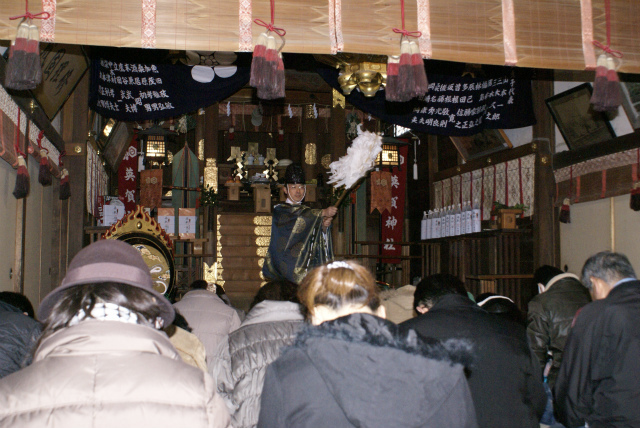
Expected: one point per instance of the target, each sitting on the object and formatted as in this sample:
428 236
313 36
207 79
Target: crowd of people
112 351
321 346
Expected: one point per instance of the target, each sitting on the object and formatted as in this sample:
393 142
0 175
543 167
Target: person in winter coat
504 381
599 380
271 324
551 313
352 368
19 332
102 360
210 318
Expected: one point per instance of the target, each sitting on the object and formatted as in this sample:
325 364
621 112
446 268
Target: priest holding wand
300 236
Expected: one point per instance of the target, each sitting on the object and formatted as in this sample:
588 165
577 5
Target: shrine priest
300 236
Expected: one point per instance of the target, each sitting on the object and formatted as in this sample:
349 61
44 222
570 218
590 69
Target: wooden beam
75 132
615 145
248 95
542 88
544 220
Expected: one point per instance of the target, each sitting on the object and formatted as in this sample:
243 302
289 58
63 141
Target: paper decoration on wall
380 191
151 188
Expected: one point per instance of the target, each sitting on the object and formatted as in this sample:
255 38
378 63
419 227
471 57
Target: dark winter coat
599 379
360 370
505 381
549 319
18 335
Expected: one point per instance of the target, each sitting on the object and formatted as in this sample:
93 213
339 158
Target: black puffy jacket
18 334
549 319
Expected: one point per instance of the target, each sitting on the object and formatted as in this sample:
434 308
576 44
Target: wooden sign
62 68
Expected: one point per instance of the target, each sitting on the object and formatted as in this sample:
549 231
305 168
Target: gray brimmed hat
108 260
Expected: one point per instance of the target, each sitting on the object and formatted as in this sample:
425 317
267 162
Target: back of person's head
181 321
282 291
501 306
434 287
338 285
105 272
199 284
19 301
546 273
607 266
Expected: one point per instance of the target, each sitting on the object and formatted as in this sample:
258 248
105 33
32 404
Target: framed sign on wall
579 124
62 68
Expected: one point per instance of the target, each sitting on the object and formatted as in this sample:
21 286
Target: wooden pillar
546 235
432 150
21 222
309 142
74 132
211 150
211 128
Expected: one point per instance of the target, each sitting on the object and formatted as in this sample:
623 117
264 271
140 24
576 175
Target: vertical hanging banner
380 191
128 176
393 220
151 188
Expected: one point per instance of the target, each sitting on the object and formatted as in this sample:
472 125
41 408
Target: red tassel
22 180
268 77
278 91
406 81
33 73
599 84
634 203
613 97
565 211
391 88
44 174
65 189
257 63
232 133
281 135
419 74
17 63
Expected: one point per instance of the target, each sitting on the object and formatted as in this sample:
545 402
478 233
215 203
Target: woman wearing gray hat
102 360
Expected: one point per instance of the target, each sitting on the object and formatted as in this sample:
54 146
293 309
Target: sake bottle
423 226
477 227
468 214
435 224
458 221
447 218
429 220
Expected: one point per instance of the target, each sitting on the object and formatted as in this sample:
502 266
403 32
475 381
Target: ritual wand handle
347 191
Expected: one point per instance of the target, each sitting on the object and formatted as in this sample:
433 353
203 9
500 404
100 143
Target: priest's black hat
294 174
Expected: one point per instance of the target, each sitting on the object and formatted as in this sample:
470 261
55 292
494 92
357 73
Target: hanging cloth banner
134 88
454 105
128 176
151 188
380 191
393 220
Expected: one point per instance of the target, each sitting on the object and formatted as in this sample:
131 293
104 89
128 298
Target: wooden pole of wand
347 191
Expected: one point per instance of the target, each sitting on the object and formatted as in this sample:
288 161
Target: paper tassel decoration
613 97
360 158
22 179
391 87
44 173
257 63
17 61
634 203
406 76
600 83
419 73
24 70
565 211
65 189
270 78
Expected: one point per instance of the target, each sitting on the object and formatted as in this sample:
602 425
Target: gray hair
607 266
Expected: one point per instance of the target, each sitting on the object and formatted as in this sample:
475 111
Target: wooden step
230 274
243 251
243 230
245 219
245 241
